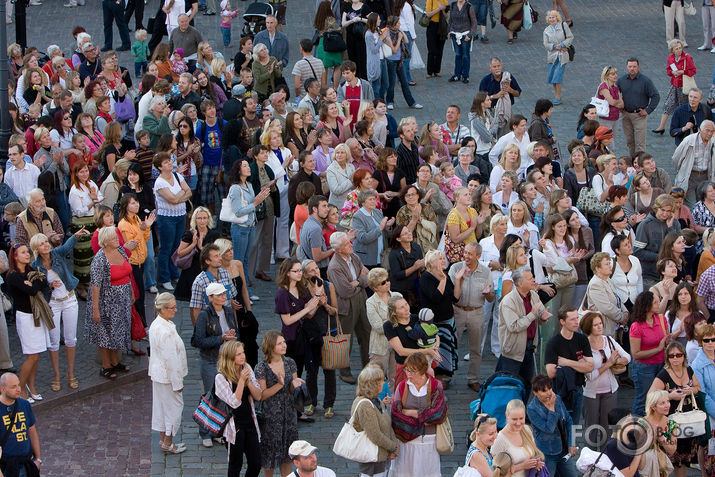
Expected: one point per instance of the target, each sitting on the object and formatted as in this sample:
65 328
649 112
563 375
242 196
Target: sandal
309 411
74 384
173 448
121 367
329 413
108 373
55 385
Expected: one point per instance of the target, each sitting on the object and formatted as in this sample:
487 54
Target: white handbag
688 84
227 215
689 8
386 50
354 445
690 423
466 471
603 109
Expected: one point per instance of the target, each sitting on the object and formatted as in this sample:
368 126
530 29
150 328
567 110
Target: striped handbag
336 350
212 414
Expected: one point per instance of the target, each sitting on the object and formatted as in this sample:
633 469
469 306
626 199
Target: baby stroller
496 392
254 20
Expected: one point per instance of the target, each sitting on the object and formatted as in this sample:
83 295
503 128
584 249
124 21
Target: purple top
287 304
322 160
614 112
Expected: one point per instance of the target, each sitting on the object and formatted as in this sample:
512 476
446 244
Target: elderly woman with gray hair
157 120
108 311
167 368
379 282
437 294
464 168
370 225
265 72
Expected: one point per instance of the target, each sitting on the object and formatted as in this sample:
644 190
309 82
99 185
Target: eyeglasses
705 340
410 371
677 190
675 355
182 126
384 281
620 219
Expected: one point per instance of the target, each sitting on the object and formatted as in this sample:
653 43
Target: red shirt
531 330
353 95
650 337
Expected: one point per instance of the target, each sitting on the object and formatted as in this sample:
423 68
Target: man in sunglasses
693 159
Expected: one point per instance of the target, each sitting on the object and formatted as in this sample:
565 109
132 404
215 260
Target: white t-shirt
162 206
319 472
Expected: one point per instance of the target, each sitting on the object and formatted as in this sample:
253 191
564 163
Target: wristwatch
37 460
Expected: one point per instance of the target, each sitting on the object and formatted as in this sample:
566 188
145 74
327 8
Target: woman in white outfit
708 14
167 368
173 8
280 160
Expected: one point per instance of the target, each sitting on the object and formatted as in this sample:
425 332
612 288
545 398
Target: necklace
676 374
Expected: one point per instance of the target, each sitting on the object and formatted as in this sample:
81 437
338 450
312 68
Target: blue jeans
643 376
406 61
114 12
242 239
379 86
208 376
150 264
461 57
139 68
170 231
577 406
226 34
481 8
558 467
396 71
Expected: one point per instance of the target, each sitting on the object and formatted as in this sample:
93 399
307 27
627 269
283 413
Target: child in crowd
80 144
178 65
247 80
7 224
144 153
625 170
140 52
226 17
32 115
429 155
426 332
450 181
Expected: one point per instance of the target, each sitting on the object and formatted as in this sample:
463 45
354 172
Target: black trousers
246 443
135 7
159 30
312 366
435 47
138 271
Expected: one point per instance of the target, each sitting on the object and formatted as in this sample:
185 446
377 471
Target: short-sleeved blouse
702 215
287 304
162 206
650 337
455 218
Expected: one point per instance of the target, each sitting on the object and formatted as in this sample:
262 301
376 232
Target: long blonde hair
226 360
527 436
501 465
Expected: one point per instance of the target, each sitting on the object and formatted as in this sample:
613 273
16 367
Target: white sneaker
255 298
466 357
207 443
167 286
712 50
153 289
390 106
417 106
70 5
703 47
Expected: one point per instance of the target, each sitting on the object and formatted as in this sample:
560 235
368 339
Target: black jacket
207 332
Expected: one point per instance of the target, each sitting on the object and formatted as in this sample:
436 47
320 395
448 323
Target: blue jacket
682 115
705 372
61 261
280 46
545 425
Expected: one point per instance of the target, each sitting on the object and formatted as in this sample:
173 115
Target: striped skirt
83 247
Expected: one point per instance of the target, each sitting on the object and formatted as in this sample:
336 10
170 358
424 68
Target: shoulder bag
227 214
183 263
333 42
354 445
688 83
603 109
690 423
563 274
588 201
571 49
616 368
336 349
212 414
444 439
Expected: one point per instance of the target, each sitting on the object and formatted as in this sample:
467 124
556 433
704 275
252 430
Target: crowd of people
581 269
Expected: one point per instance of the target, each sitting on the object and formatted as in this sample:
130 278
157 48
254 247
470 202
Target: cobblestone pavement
606 32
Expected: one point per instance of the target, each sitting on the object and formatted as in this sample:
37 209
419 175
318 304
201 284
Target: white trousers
708 14
675 13
64 313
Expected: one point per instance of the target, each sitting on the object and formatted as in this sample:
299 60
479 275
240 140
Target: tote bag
691 423
212 414
688 84
354 445
336 350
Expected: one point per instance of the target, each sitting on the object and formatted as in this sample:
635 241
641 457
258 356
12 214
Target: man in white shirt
452 131
518 136
20 176
306 461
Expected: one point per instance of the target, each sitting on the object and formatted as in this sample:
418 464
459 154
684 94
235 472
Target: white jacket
683 159
167 363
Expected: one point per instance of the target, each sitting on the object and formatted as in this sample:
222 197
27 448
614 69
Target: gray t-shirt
311 236
222 321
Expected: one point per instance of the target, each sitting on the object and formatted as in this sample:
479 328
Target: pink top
615 91
650 337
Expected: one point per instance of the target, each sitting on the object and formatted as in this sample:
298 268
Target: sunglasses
705 340
66 118
17 245
384 282
620 219
676 355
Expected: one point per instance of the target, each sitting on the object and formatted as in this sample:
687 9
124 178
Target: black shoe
304 418
123 48
465 80
347 378
106 48
453 79
202 8
658 131
484 39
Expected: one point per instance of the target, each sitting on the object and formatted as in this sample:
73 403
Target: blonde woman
502 465
557 38
220 75
609 91
379 282
167 368
372 416
517 440
241 433
339 176
666 430
201 233
520 224
510 160
482 437
461 223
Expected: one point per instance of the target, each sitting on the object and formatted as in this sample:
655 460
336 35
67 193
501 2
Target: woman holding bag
679 64
371 416
557 39
679 381
418 406
602 296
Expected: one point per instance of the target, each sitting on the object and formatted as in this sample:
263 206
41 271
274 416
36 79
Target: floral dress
702 215
279 426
